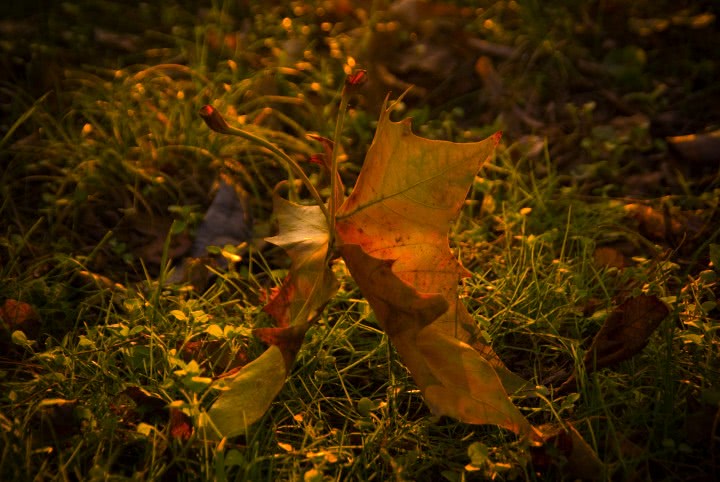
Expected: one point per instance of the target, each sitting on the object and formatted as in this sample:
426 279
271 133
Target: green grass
95 151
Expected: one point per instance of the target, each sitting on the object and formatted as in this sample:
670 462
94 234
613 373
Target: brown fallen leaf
565 447
214 355
665 224
17 316
14 314
698 149
609 257
625 333
180 425
393 233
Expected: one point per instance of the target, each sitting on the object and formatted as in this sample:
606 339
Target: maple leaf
310 283
307 287
408 192
393 232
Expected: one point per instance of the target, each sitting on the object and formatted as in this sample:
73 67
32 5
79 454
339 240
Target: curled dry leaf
309 284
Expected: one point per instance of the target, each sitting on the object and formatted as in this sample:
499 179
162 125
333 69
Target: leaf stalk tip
214 119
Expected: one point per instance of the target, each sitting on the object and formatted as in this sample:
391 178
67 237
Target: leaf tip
386 109
496 137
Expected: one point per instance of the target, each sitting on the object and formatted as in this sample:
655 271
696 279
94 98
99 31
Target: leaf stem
216 122
333 163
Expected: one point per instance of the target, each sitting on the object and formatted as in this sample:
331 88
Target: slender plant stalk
216 122
333 162
352 83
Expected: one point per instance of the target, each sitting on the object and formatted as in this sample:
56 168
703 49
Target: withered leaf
579 460
215 355
309 284
180 425
609 257
18 315
665 224
393 230
626 332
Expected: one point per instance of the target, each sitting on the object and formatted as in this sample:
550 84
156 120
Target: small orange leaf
15 313
180 425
